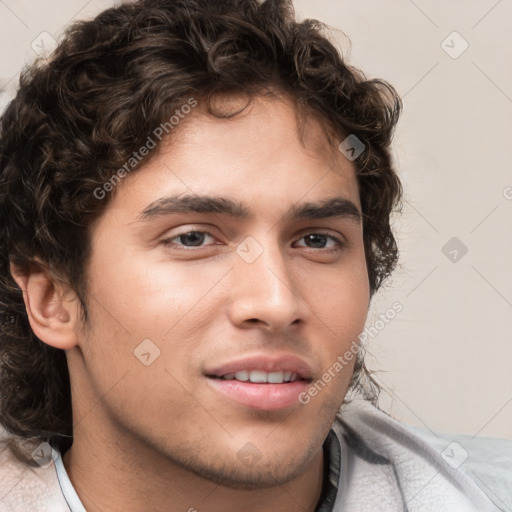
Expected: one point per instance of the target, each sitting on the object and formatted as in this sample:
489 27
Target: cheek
341 305
143 302
169 304
341 299
148 295
345 318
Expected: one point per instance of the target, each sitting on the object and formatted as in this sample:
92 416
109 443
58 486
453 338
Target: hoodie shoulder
386 466
28 488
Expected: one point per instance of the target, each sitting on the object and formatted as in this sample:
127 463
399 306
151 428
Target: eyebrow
332 207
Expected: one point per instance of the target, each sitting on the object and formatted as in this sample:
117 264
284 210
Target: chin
260 476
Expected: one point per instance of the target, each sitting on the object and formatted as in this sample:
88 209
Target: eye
319 241
196 238
189 239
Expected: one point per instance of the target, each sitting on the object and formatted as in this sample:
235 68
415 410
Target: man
195 206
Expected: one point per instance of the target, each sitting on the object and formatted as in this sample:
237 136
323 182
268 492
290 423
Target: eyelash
340 243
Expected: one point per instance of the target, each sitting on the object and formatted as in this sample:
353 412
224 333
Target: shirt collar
332 464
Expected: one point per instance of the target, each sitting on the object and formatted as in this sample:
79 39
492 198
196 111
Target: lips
268 364
262 382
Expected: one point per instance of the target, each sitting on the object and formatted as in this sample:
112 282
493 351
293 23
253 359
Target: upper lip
265 363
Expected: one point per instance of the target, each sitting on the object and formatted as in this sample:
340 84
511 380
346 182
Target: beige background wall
446 358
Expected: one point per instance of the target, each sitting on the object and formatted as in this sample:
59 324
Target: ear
53 309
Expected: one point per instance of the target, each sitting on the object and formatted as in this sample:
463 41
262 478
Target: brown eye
193 238
320 241
317 241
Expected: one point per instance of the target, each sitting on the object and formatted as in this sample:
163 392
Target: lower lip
269 397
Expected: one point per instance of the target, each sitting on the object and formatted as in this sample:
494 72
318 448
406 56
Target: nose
264 292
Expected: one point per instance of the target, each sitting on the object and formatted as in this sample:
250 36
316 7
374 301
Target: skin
159 437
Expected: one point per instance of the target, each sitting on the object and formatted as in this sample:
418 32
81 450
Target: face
179 297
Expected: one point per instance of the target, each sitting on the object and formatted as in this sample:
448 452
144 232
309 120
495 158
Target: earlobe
53 311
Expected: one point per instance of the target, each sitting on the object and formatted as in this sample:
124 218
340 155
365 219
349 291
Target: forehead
269 154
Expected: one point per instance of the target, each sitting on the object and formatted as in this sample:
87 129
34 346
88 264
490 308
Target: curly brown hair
79 116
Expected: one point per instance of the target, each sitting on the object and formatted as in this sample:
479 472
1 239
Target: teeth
259 377
275 378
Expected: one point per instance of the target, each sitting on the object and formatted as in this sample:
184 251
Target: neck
120 474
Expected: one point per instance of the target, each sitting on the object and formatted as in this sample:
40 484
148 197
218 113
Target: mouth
261 382
261 377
